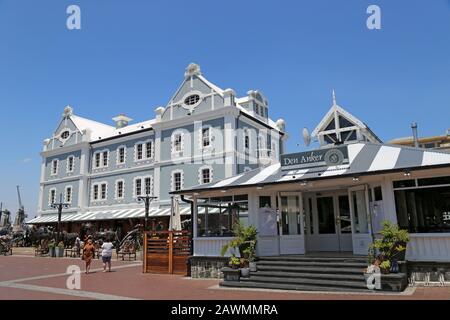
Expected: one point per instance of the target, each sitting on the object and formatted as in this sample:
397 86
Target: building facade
204 134
331 199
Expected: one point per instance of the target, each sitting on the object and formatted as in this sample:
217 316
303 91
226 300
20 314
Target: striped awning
107 215
364 158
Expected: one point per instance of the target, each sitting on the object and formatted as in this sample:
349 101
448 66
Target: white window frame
246 132
116 192
118 155
135 195
102 159
144 150
73 164
209 128
50 196
144 186
99 185
52 171
152 153
71 194
172 179
172 142
200 174
94 160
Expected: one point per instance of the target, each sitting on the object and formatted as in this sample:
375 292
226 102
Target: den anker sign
315 158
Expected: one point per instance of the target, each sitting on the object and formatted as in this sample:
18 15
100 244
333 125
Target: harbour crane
20 216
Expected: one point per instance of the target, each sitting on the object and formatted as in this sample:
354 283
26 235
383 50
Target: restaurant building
332 199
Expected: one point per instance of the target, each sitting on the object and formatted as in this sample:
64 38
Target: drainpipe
191 240
415 135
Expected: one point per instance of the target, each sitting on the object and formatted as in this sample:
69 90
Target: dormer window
192 100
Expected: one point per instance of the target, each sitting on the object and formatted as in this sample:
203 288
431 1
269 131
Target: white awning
107 215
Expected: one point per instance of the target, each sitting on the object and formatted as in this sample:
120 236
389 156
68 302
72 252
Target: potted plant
244 238
250 251
51 248
391 247
232 273
59 250
386 253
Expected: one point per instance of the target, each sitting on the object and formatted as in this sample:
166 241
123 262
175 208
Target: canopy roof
364 159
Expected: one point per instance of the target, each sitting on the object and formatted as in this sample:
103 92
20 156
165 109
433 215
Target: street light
147 199
59 206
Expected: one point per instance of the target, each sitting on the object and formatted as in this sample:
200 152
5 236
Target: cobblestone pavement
27 277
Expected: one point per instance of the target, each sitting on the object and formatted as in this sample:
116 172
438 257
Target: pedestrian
88 254
78 246
107 247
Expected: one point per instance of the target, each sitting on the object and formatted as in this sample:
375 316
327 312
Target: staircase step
359 284
309 269
330 276
284 286
312 263
357 259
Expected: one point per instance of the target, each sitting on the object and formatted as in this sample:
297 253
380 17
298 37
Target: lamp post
60 205
147 199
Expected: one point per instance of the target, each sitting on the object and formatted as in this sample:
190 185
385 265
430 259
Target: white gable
339 126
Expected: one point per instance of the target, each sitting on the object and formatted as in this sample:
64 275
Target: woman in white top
107 247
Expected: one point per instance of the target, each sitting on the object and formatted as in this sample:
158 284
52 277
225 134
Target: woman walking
88 254
107 254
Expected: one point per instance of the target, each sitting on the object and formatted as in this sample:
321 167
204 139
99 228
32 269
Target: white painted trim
71 194
200 142
118 163
116 197
67 164
100 199
102 166
176 153
52 167
200 174
172 180
50 196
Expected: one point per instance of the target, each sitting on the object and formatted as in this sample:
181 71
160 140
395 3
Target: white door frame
324 242
361 241
292 243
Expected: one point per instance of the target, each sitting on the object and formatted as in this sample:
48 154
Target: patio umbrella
175 216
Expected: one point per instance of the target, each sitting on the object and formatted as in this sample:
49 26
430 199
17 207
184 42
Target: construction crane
20 216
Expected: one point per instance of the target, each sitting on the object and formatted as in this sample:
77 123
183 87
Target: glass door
359 212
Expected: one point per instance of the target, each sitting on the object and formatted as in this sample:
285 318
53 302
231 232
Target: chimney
121 121
415 135
229 97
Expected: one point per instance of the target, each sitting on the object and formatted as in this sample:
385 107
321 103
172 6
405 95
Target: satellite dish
306 137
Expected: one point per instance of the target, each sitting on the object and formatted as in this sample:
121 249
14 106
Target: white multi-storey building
203 135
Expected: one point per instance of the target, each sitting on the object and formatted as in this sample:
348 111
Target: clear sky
130 56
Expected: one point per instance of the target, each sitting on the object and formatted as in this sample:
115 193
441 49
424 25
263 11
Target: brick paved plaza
23 276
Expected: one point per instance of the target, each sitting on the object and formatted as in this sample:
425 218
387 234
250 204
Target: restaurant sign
316 158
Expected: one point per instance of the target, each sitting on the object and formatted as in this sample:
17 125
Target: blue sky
130 56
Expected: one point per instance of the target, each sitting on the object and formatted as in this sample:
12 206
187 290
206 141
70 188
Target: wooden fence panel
166 252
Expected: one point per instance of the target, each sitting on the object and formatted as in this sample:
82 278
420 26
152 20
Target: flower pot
52 252
252 266
245 272
59 252
230 274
